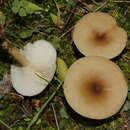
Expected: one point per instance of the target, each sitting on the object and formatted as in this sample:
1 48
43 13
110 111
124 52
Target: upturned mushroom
97 34
95 87
37 60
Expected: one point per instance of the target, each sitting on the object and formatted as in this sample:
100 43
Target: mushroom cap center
95 87
100 38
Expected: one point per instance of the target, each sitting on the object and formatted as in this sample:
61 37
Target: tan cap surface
96 34
95 87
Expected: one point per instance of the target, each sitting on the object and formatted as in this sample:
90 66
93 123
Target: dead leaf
5 85
36 103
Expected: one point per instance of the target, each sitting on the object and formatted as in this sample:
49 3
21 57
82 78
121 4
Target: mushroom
97 34
95 87
37 58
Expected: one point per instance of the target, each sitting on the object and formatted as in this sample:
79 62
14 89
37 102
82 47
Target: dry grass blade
102 6
121 1
86 5
7 126
35 118
12 94
126 57
58 15
57 124
40 76
65 33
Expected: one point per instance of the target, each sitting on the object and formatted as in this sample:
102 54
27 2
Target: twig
1 1
100 7
128 48
86 6
58 23
66 32
24 109
126 57
14 123
121 1
13 94
8 40
94 2
43 107
7 126
57 124
10 21
71 14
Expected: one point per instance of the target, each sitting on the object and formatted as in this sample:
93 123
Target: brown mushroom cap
95 87
97 34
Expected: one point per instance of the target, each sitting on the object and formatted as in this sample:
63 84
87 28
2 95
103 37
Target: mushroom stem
15 53
21 59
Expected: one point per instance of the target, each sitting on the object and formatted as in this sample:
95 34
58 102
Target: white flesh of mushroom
42 56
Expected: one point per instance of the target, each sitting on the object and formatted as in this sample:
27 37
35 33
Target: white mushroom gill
40 55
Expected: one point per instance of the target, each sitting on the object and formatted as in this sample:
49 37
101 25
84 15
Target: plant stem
5 125
43 107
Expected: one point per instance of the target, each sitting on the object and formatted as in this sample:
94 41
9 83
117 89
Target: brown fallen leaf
5 85
36 103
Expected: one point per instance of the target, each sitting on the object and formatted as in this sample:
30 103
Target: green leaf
113 124
15 3
61 69
26 33
29 11
27 119
16 6
38 122
22 12
1 14
2 19
50 128
53 18
55 41
20 128
63 113
70 3
24 7
30 7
